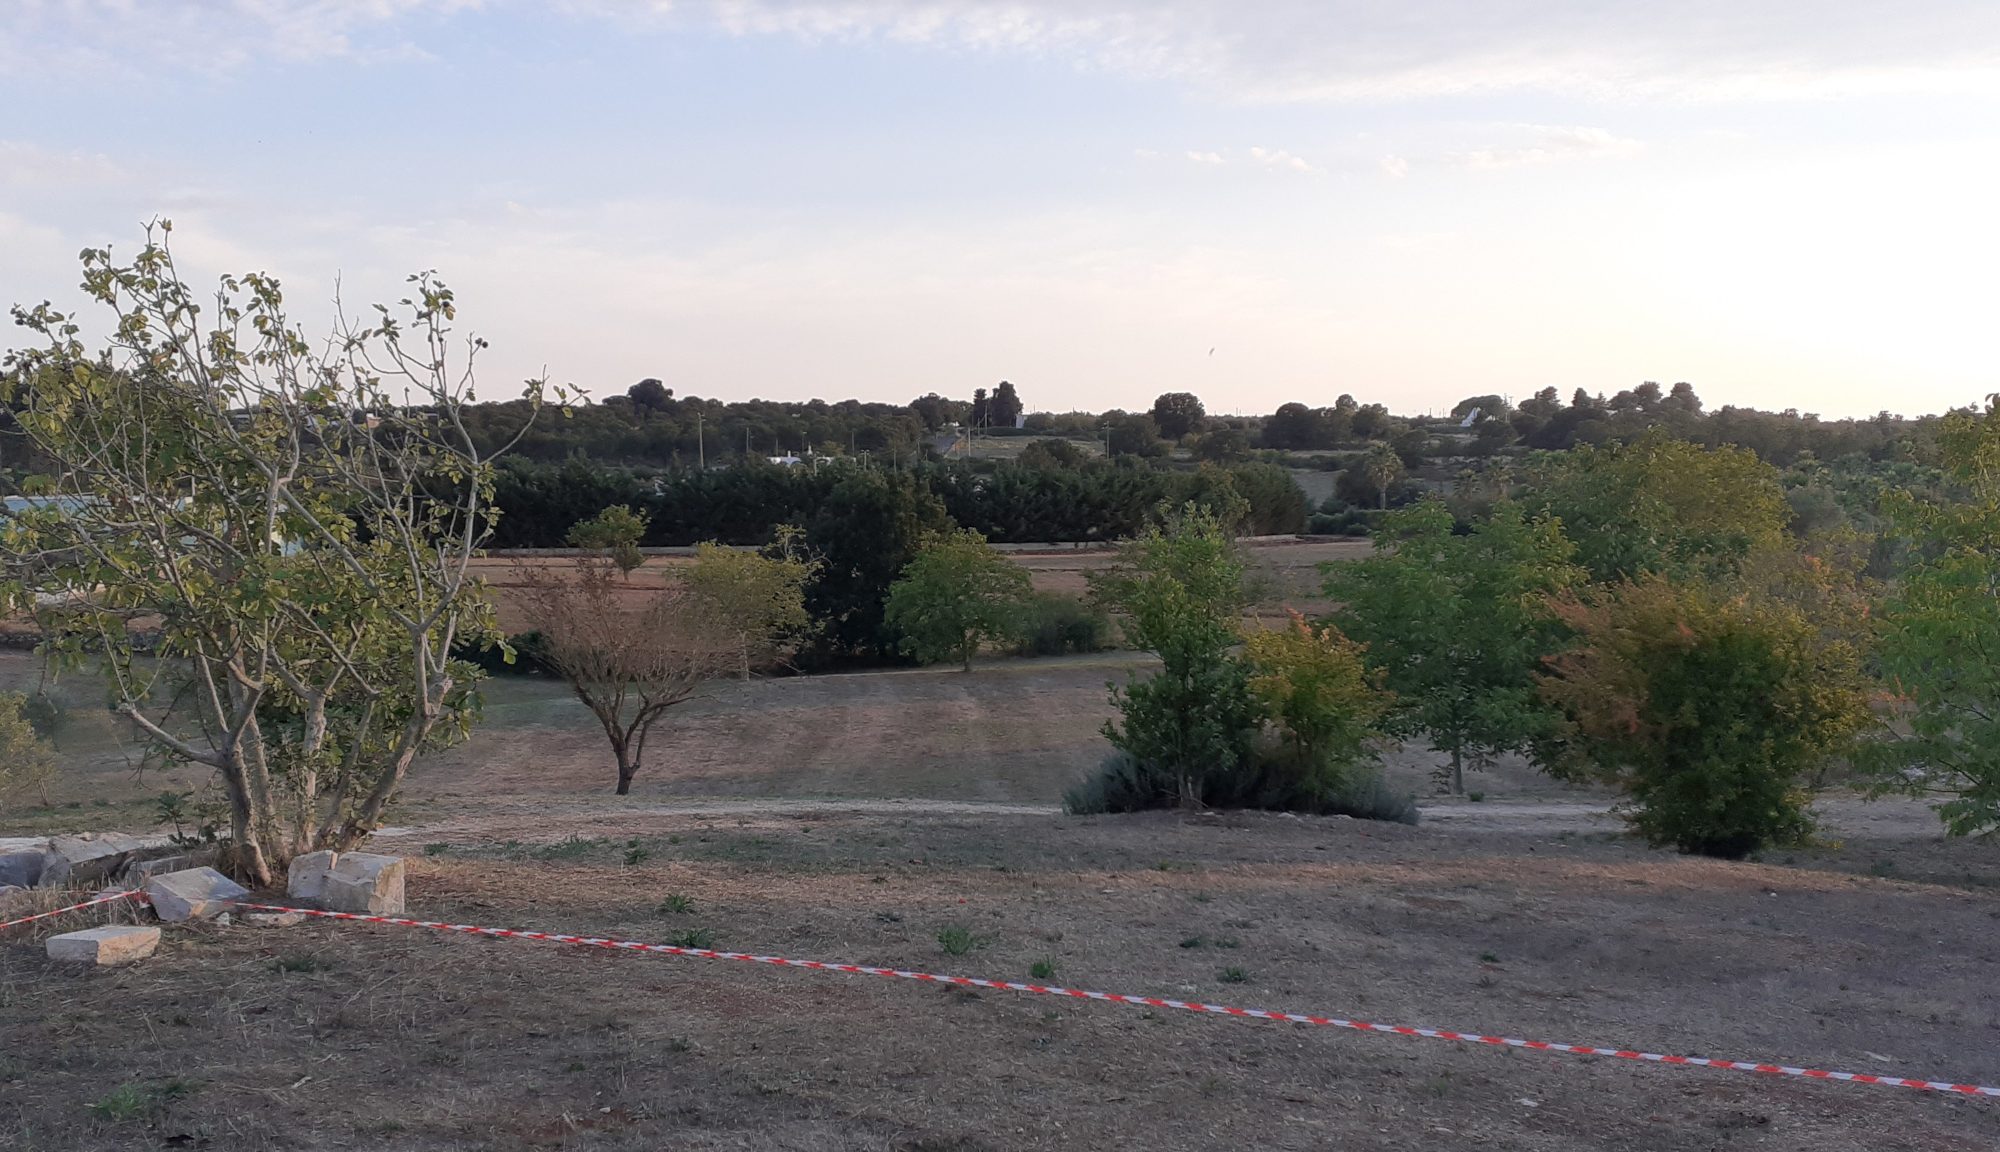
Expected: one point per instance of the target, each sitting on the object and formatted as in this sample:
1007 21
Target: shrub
616 531
530 656
1052 624
1120 784
1710 711
27 762
957 940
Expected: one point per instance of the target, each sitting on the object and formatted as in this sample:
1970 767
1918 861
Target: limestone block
91 859
22 867
106 946
197 893
364 882
306 878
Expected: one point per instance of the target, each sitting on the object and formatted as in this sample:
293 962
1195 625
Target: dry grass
330 1036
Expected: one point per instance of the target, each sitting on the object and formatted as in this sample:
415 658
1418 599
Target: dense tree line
1006 503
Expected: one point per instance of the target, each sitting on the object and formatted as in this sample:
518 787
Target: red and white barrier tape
107 898
1154 1002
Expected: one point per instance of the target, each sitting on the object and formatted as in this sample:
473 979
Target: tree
1051 453
294 523
1135 435
1314 686
1489 407
1456 625
1004 407
27 762
1661 505
954 596
759 596
982 409
616 532
865 532
649 396
630 660
1294 426
1179 587
1940 636
1381 467
1177 413
935 411
1709 709
1222 446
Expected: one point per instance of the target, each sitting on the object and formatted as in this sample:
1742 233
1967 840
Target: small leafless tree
629 653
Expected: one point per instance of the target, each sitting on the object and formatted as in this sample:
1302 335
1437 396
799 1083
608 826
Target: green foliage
1940 637
1044 969
701 938
955 595
1134 435
865 533
616 532
677 904
759 596
1178 413
1275 505
1457 625
1660 505
1179 587
1051 624
295 516
957 940
1314 687
27 762
1710 711
1380 467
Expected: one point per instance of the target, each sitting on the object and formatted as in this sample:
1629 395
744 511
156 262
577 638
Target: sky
1787 204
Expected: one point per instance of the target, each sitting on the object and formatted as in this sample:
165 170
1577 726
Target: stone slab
194 894
306 878
23 867
107 946
273 919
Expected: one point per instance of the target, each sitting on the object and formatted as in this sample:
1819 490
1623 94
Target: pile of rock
362 882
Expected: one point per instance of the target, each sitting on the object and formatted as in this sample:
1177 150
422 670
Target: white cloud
1279 158
1206 157
1394 167
1546 143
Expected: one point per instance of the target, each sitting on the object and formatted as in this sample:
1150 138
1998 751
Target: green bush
1120 784
1052 624
1270 779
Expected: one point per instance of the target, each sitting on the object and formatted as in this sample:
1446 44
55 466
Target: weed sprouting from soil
957 940
677 904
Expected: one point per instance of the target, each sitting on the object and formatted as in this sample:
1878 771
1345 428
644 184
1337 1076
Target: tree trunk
627 768
965 653
1457 770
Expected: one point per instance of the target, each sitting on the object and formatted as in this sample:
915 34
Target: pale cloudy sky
1790 204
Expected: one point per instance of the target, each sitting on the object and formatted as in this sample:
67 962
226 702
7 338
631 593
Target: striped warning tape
1151 1002
107 898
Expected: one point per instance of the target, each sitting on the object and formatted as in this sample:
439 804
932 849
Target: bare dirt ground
855 817
329 1036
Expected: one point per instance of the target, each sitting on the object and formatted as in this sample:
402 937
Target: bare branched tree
276 529
629 653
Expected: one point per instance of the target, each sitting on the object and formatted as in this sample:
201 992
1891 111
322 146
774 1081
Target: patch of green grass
1233 976
436 848
134 1101
1042 970
1882 868
1202 897
1489 958
1194 942
1475 797
636 855
1176 866
693 938
301 962
957 940
1228 942
677 904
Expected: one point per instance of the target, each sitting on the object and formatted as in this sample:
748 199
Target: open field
1285 571
855 817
